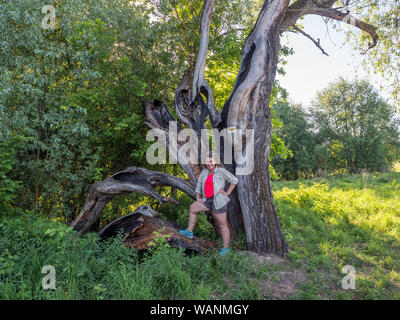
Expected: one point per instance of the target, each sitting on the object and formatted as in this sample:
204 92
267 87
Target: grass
333 222
89 269
328 223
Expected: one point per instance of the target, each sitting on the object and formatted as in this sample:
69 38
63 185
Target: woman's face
210 164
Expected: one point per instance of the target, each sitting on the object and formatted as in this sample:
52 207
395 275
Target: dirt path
281 281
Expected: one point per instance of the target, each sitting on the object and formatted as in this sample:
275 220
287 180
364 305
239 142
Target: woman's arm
230 189
198 197
230 178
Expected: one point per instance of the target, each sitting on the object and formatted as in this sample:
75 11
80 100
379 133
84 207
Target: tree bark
248 108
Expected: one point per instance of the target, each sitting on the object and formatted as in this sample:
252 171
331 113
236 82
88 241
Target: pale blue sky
309 71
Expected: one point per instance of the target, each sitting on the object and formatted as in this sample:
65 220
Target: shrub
9 187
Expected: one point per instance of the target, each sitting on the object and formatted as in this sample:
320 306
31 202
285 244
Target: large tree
354 117
252 206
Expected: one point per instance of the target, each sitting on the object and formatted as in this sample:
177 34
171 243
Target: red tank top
208 187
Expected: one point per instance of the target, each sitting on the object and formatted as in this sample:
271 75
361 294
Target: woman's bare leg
222 223
195 208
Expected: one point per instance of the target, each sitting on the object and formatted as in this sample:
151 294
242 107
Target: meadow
328 223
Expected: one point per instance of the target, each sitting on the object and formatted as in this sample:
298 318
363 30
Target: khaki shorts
209 203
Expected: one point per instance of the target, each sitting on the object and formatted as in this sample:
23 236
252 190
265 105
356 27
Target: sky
309 70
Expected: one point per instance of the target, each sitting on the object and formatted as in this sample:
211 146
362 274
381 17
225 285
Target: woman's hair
216 158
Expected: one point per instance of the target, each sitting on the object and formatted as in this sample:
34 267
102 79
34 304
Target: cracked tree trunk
248 108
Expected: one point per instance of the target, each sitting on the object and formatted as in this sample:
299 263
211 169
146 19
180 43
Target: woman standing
211 196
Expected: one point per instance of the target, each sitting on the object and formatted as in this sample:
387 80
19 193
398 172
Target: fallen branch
143 229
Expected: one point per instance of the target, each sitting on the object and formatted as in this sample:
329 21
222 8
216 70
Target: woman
210 195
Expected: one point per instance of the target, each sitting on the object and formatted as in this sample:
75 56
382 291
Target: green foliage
76 91
9 188
36 78
358 127
385 57
294 130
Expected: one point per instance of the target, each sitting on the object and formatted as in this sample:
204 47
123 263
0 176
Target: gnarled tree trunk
248 108
251 207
